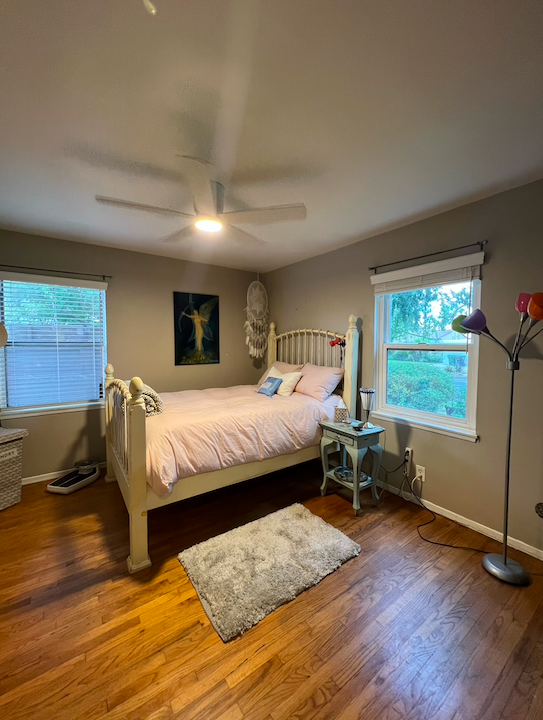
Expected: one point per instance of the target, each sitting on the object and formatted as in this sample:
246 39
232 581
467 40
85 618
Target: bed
208 439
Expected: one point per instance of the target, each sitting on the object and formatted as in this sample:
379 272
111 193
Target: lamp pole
514 367
501 566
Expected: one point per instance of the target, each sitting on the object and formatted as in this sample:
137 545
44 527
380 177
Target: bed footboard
126 459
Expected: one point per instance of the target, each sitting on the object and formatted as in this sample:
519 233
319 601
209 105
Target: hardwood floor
406 630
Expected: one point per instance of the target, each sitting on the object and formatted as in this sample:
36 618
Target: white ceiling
372 112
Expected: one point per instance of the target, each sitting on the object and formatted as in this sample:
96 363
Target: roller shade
56 349
443 272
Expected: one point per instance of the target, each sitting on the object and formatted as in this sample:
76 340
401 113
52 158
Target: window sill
459 433
50 410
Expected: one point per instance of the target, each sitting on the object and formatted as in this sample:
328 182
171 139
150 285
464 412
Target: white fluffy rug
245 574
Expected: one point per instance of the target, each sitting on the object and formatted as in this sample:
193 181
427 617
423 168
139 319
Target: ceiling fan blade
179 235
240 33
197 173
242 237
115 202
272 174
99 157
265 216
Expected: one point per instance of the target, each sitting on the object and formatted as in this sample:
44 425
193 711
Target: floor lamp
530 307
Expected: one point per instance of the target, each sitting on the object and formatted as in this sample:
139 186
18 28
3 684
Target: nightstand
338 436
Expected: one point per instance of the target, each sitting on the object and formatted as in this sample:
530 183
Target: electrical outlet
420 471
408 456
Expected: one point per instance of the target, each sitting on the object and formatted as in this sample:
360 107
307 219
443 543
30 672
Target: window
56 350
426 374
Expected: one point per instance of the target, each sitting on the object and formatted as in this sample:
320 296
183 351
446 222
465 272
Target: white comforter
204 430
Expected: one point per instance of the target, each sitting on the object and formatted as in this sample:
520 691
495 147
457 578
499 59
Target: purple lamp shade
475 323
523 301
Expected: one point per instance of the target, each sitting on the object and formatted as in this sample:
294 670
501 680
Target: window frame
465 429
53 409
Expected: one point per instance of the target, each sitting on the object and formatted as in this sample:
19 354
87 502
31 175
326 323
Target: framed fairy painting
196 319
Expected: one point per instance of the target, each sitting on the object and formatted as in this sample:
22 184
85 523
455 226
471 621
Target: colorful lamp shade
522 303
535 307
475 323
456 325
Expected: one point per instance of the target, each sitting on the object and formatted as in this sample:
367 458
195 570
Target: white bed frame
126 440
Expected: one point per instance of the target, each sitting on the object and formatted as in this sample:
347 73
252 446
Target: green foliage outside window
425 386
426 380
52 305
421 316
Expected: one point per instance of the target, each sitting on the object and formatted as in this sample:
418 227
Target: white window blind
56 350
442 272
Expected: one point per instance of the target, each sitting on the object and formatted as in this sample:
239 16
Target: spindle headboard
313 346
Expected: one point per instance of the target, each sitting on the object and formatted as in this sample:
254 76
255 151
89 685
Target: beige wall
140 334
463 477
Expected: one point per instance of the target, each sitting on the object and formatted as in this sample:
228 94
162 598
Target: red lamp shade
535 307
523 301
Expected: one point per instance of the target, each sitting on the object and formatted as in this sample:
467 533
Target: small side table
338 436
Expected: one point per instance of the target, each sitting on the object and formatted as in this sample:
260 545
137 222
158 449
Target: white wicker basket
11 466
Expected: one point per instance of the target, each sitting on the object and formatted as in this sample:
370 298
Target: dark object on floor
539 509
86 472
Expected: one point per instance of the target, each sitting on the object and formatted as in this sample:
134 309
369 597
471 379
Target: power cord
405 480
389 472
403 465
434 518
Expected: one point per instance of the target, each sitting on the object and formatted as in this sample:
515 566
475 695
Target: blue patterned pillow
270 386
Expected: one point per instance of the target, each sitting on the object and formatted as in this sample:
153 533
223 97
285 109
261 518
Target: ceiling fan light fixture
208 224
151 9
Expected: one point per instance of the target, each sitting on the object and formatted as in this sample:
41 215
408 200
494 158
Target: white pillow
290 380
279 367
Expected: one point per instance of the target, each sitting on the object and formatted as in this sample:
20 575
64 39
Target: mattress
204 430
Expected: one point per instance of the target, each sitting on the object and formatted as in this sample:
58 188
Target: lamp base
511 572
367 425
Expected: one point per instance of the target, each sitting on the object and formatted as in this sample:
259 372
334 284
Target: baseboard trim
471 524
51 476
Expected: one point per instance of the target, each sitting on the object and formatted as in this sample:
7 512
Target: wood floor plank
481 671
405 631
384 643
526 687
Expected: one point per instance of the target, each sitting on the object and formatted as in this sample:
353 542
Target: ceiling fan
208 201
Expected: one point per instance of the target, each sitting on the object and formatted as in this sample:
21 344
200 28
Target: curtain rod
63 272
479 244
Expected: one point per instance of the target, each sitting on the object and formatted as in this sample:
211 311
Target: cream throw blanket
153 401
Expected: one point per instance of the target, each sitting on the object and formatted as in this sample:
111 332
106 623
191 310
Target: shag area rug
246 573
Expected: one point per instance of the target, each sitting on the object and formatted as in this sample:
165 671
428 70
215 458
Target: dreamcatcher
256 325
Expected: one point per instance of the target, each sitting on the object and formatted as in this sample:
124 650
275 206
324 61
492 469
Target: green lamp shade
456 325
